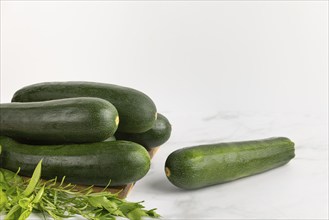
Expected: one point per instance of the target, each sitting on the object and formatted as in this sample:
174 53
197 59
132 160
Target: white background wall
187 56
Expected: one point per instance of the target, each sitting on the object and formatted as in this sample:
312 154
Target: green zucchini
137 111
156 136
205 165
120 162
72 120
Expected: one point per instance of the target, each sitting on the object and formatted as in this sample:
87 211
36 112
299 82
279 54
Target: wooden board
124 190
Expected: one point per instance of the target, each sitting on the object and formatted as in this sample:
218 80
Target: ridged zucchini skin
137 111
156 136
121 162
205 165
71 120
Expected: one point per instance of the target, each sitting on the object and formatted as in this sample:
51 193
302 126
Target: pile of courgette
91 133
94 133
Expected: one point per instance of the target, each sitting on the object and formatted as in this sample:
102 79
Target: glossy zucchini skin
120 162
205 165
156 136
137 111
72 120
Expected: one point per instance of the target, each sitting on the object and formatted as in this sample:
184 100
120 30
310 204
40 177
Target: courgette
205 165
137 111
156 136
71 120
120 162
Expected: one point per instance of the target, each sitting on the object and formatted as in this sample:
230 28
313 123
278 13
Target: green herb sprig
20 197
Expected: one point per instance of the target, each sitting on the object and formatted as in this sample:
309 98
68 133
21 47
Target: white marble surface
298 190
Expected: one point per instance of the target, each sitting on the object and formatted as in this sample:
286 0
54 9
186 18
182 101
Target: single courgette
205 165
72 120
137 111
120 162
156 136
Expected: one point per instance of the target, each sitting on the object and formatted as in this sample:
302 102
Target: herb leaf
34 180
19 198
